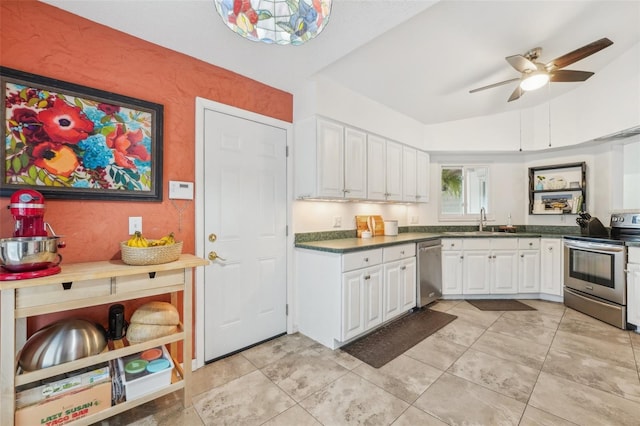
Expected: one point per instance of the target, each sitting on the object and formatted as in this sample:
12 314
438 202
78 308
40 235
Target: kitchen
508 166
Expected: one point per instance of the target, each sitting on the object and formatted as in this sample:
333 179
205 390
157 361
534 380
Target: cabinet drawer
361 259
528 243
476 243
451 244
504 243
55 293
402 251
146 281
634 255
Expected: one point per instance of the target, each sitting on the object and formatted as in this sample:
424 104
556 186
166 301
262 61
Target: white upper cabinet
355 163
409 178
376 168
394 171
330 160
384 169
415 175
336 161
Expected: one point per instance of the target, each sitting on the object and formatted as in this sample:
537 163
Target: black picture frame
70 141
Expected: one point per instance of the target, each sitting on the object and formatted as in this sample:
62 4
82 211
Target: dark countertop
346 245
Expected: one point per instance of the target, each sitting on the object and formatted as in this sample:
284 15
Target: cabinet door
352 301
529 271
476 272
452 272
355 164
372 291
330 158
393 171
504 271
551 267
633 294
376 168
422 177
409 178
392 290
408 274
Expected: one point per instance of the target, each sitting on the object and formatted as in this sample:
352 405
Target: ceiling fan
536 74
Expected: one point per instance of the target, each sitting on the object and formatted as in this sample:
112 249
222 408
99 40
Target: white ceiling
417 57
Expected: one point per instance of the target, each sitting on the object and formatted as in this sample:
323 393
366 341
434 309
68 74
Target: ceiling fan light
534 80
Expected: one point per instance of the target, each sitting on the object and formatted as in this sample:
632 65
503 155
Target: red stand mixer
31 252
27 209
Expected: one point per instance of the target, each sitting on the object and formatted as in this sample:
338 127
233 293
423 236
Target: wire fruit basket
155 255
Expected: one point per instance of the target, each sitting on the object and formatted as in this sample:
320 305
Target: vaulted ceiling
417 57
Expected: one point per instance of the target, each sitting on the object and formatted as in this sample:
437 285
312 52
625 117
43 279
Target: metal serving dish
62 341
22 254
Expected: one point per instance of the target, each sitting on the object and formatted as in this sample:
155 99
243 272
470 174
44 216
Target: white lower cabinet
490 266
502 265
361 301
633 287
529 266
551 266
342 296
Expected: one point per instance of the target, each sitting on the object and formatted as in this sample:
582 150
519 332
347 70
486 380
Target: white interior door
245 219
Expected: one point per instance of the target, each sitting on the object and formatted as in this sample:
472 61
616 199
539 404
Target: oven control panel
625 220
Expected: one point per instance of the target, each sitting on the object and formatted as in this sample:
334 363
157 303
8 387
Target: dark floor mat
386 343
500 305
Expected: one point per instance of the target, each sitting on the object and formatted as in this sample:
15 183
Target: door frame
202 105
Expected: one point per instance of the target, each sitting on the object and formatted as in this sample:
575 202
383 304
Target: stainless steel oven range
595 270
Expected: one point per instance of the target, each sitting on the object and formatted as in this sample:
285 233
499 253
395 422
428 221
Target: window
464 191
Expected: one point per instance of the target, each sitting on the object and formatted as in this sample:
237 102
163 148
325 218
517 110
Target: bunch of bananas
167 240
138 240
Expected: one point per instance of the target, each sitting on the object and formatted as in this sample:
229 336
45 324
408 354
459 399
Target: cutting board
362 225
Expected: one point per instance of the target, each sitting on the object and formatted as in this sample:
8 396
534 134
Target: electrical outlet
414 219
135 224
337 221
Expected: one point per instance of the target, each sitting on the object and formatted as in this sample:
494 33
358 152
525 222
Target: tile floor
552 366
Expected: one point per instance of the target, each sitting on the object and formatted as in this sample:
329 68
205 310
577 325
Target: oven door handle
594 247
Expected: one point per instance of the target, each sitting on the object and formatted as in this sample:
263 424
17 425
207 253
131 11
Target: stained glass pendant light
275 21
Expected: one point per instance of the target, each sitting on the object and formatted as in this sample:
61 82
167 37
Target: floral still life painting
70 141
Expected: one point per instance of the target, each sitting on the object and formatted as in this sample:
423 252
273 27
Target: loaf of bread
156 313
137 333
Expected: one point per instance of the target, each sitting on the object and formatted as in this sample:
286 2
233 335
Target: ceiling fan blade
579 54
520 63
491 86
517 92
567 76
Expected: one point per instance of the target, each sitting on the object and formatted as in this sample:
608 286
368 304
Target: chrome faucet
483 218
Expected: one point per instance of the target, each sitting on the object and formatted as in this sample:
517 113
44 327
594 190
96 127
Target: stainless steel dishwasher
429 286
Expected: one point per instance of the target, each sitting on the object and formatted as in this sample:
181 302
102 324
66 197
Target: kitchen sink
472 233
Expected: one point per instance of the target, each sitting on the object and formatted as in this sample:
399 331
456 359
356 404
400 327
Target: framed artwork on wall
74 142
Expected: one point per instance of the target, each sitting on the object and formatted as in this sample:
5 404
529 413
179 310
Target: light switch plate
179 190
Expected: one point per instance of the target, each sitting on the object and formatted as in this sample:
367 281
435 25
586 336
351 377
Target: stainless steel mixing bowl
62 341
21 254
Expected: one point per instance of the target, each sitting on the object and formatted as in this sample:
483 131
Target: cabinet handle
402 252
550 249
367 277
346 191
403 268
522 255
366 259
530 244
461 257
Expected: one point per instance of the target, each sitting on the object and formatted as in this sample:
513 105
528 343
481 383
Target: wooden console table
88 284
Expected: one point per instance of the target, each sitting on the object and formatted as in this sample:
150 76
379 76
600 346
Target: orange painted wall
44 40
